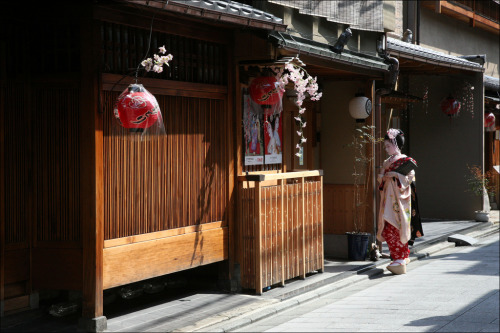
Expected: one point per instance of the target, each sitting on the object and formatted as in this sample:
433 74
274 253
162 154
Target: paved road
455 290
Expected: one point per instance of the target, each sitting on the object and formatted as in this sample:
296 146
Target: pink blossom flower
157 68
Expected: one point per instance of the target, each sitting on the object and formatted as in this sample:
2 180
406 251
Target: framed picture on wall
253 136
273 138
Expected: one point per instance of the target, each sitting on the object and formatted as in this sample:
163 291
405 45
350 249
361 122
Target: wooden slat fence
281 228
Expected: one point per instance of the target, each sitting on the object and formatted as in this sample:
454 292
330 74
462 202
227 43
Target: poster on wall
273 138
253 136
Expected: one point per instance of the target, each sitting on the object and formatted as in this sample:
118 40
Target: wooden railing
281 221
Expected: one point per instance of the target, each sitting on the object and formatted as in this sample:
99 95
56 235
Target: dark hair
400 139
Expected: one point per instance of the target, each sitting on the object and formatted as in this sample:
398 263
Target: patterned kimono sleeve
405 181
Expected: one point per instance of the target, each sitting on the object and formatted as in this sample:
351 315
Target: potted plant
358 239
480 185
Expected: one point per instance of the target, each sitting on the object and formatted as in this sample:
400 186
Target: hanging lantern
450 106
264 90
489 121
360 108
136 108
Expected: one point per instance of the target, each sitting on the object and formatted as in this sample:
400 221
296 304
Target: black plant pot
357 244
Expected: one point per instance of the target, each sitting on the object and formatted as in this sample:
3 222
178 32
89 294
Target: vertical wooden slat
258 237
321 251
281 205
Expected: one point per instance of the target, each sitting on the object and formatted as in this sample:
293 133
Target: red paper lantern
450 106
136 108
489 120
264 90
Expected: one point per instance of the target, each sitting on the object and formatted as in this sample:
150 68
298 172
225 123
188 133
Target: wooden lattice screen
170 181
123 48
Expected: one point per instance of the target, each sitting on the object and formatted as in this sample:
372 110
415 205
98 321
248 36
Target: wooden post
437 9
92 185
303 219
258 238
231 175
2 205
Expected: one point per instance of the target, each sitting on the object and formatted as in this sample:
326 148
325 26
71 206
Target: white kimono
395 201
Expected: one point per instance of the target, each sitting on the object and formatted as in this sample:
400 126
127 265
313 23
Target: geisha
394 219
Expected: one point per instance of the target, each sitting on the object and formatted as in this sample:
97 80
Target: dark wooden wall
41 174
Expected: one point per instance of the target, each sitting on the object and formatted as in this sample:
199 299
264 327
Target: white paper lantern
360 107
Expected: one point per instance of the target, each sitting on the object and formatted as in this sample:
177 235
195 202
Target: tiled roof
323 50
224 11
420 53
491 83
232 7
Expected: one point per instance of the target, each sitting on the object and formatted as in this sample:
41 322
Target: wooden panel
15 289
57 268
339 210
16 303
56 155
17 265
43 166
144 260
19 164
166 182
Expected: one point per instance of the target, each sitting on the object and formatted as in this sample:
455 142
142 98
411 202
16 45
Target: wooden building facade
85 208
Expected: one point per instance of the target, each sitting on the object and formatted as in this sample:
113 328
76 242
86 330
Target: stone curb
240 319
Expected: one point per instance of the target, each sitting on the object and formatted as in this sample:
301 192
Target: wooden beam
139 261
438 7
2 200
91 159
276 176
161 234
233 80
116 82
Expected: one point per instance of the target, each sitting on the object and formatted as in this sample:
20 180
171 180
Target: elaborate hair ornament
392 133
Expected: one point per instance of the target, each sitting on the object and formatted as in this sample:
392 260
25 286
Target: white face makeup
390 148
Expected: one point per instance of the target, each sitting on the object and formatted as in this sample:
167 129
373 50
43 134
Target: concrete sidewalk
210 310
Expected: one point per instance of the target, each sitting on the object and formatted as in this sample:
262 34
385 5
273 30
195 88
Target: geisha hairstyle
396 136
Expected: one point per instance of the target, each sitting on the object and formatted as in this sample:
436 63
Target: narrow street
455 290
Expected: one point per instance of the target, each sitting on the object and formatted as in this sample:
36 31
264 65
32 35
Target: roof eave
325 53
210 14
432 61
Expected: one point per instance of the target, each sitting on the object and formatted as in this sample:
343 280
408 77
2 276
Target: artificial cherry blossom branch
159 61
303 84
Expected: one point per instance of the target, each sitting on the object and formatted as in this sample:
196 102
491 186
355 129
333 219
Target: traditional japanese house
88 206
